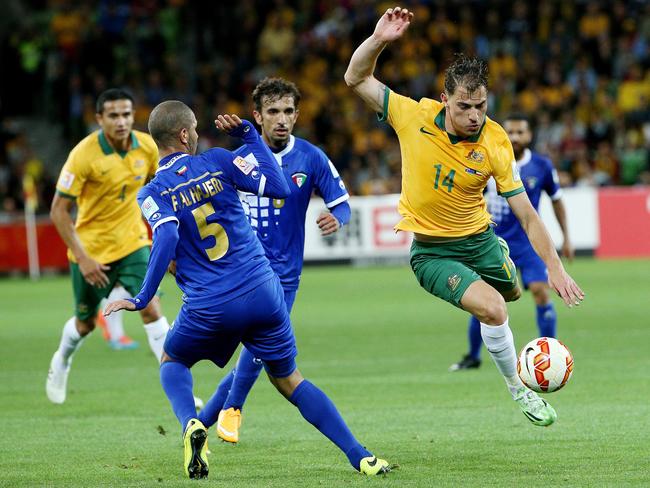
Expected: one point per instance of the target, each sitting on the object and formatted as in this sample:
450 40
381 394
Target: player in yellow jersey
108 243
449 151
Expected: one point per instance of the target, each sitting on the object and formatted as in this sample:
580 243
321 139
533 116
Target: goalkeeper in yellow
108 243
449 150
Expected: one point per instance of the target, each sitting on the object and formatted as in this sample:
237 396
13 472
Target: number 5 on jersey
213 229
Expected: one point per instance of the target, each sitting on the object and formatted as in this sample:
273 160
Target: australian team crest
475 156
299 179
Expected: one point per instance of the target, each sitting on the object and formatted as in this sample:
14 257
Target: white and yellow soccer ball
545 365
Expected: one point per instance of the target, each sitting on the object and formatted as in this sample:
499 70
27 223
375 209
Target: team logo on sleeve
66 179
243 165
299 179
149 207
475 156
453 281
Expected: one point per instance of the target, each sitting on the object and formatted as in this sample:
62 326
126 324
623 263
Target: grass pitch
380 347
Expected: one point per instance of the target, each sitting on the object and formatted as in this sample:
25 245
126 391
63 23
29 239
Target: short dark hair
167 119
519 116
471 73
274 89
111 95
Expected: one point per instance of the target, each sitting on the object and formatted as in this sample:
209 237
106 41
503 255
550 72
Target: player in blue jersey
280 225
538 175
230 292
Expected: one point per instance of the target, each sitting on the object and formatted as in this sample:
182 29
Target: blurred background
580 69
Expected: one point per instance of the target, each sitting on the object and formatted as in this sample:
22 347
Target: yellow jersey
105 184
443 176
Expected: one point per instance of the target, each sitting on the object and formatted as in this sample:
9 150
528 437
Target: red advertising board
13 247
624 221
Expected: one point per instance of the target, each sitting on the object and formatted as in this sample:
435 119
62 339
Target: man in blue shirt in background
230 292
280 225
538 174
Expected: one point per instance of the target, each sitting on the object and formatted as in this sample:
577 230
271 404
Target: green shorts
446 269
128 271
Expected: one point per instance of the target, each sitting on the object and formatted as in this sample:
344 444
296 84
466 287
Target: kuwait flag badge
181 170
299 178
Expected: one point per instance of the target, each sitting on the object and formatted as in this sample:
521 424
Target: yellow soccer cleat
195 443
372 466
228 425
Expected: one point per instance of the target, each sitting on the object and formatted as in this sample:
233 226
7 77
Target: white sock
115 321
70 341
501 346
156 334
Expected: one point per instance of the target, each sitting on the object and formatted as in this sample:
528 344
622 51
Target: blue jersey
537 174
217 257
280 224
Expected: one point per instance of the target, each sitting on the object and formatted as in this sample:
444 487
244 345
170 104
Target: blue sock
474 336
546 320
247 371
176 380
210 412
317 409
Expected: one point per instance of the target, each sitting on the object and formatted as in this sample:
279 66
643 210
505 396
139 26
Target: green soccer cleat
538 411
371 466
195 443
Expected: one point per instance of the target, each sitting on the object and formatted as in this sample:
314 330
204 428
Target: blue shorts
258 319
531 266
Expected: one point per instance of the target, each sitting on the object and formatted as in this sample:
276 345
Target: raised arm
272 183
359 75
558 279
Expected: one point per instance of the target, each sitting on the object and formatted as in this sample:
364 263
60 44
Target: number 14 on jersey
448 179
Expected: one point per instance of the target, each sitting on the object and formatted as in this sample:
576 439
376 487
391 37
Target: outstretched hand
233 125
392 24
565 287
118 305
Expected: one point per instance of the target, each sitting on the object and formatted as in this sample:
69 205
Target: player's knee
287 385
86 326
493 311
540 293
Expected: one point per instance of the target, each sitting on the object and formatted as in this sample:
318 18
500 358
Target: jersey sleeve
328 181
155 207
73 175
552 181
398 109
246 173
505 172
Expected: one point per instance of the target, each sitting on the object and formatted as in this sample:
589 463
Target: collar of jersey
525 159
440 122
169 160
107 149
286 150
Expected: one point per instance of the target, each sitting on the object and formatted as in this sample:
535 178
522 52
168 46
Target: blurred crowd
580 69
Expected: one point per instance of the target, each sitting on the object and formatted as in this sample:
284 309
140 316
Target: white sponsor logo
244 166
149 207
66 179
515 172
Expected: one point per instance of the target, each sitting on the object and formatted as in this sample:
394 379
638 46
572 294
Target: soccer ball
545 365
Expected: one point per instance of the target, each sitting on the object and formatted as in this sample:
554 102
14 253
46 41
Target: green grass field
380 347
